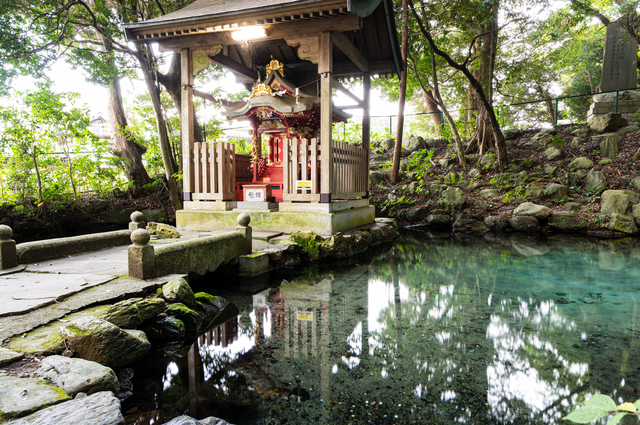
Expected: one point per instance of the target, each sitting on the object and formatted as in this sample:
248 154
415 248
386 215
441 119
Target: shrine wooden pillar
187 122
366 117
325 69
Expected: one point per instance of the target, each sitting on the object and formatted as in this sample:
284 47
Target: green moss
180 308
203 295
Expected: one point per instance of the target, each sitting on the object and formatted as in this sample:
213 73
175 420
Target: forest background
466 62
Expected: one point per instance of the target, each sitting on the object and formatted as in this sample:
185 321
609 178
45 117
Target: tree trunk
483 139
161 125
38 178
126 148
395 168
433 108
503 159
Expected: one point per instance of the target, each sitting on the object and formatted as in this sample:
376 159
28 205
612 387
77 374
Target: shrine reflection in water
475 331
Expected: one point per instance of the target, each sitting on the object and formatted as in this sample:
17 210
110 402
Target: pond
438 331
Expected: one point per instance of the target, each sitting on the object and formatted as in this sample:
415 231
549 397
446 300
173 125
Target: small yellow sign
303 184
306 316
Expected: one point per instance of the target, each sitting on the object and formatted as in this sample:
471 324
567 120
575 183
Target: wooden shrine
291 54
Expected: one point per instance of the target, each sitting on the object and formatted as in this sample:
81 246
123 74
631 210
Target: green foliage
599 406
420 162
42 129
351 132
310 245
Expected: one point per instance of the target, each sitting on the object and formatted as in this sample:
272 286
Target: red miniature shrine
277 111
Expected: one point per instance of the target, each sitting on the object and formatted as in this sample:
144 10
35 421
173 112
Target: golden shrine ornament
274 65
261 89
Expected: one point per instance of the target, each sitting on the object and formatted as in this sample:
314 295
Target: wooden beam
186 124
347 47
338 86
325 68
235 67
334 23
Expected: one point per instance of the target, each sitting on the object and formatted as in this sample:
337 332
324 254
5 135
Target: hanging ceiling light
249 33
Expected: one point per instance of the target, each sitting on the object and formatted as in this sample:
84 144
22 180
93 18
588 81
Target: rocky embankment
574 179
76 370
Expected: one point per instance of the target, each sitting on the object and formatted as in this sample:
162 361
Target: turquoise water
436 331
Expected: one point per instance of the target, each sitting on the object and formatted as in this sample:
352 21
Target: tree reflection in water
480 332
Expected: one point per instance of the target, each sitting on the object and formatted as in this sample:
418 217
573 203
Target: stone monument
619 67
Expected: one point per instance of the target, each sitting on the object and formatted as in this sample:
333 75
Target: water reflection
502 331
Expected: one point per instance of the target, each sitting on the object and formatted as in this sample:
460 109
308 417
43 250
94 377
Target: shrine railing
300 170
214 172
350 171
302 165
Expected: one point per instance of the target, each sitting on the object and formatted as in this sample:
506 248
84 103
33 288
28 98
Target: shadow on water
431 330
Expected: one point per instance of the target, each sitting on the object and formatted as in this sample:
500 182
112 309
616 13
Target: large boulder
614 201
556 191
623 223
610 145
542 138
100 341
101 408
438 222
567 221
78 376
453 198
417 214
523 223
21 396
414 143
178 291
595 181
606 123
553 153
465 223
512 133
376 177
530 209
580 132
495 223
133 312
580 162
163 230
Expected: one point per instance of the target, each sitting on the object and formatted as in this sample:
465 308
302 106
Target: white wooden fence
214 171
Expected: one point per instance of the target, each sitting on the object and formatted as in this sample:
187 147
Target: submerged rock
100 341
133 312
21 396
188 420
78 376
102 408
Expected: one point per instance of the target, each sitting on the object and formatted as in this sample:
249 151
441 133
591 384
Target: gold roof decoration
274 65
261 89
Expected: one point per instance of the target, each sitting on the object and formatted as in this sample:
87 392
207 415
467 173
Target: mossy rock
210 304
133 312
623 223
162 230
189 317
178 291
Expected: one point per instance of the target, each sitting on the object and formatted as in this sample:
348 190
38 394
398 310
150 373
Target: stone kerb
32 252
195 256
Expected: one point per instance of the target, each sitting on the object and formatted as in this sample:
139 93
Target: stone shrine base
628 104
323 219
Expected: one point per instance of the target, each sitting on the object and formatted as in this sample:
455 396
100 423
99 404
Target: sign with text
303 184
255 195
305 316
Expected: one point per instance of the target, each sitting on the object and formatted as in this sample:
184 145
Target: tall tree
395 168
488 132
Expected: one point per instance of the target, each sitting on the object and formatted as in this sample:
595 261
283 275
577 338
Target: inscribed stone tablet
620 55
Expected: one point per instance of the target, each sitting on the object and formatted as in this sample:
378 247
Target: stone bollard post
244 228
142 257
137 221
8 255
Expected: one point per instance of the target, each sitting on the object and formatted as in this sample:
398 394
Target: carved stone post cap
140 237
244 219
137 217
5 232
